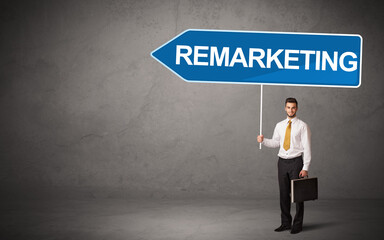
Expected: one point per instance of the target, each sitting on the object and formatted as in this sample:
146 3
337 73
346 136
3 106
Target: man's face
291 109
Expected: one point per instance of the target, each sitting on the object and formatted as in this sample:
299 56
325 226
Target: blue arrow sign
272 58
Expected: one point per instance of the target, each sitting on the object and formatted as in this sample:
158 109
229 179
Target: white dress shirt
300 140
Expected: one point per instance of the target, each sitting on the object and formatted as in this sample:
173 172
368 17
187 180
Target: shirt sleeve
306 142
275 141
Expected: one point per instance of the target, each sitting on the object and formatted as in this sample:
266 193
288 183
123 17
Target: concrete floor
186 219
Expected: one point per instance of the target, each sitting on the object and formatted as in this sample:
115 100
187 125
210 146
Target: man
293 137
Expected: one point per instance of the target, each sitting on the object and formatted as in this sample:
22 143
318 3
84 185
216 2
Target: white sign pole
261 111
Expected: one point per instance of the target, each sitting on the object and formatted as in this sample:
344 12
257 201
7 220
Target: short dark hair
291 100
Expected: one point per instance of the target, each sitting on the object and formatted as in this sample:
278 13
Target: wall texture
84 106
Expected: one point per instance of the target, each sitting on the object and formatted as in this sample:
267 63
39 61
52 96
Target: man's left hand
303 173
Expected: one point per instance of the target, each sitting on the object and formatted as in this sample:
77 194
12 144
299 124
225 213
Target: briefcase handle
304 177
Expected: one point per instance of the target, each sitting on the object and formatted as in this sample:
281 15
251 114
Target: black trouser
289 169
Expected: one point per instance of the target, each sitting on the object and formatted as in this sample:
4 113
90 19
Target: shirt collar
293 120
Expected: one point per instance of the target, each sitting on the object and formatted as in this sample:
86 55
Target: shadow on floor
317 226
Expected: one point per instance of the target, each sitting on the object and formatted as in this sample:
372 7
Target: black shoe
296 230
282 228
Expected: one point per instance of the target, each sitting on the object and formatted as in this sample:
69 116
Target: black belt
301 156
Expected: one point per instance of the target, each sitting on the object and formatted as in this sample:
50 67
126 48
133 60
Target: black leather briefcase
304 189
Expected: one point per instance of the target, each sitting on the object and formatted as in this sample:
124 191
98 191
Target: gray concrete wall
84 106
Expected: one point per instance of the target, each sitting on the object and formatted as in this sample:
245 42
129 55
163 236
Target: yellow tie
287 138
